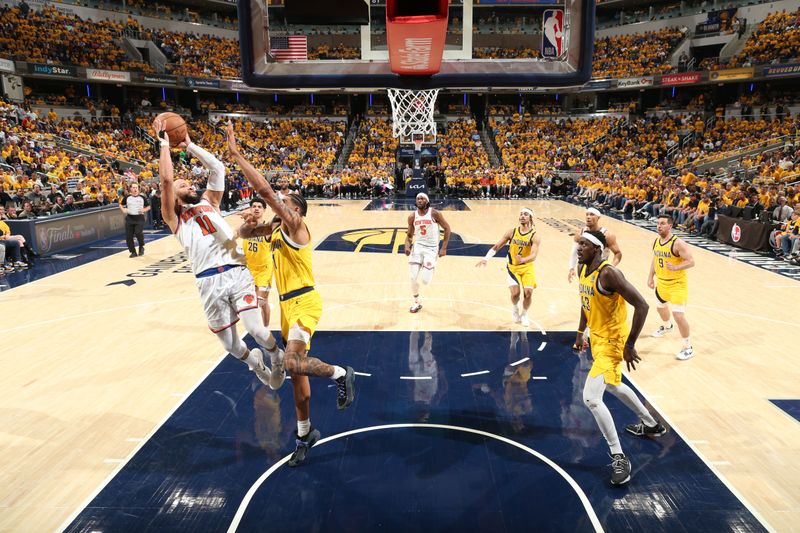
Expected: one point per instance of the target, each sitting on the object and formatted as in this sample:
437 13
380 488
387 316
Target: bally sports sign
107 75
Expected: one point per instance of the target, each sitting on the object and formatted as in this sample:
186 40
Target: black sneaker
303 445
643 430
133 254
141 250
620 469
345 389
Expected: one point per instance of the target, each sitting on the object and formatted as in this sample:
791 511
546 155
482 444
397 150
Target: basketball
175 127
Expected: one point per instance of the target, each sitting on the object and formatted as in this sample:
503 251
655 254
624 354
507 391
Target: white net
412 112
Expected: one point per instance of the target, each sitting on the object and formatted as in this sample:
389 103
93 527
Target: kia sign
630 83
108 75
681 79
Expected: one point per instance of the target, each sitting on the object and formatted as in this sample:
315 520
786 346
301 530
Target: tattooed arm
291 218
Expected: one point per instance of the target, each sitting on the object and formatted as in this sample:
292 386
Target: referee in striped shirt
134 205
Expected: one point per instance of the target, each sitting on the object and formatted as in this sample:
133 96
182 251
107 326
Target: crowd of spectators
48 36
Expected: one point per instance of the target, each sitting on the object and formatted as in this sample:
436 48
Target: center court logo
736 233
391 241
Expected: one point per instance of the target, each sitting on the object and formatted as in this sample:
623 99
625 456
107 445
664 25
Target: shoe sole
645 435
350 381
415 309
684 358
279 384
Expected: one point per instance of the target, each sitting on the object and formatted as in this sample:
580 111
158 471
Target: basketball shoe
524 320
686 353
259 369
278 372
415 308
643 430
303 444
620 469
661 331
345 389
515 314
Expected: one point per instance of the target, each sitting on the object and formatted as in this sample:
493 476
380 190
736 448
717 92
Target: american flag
289 48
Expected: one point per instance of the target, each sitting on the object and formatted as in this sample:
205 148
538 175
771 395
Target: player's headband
594 240
424 196
526 210
593 211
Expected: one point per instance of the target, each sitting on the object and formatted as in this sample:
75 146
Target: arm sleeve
216 176
573 255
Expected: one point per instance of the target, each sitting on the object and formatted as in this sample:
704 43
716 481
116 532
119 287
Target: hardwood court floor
90 370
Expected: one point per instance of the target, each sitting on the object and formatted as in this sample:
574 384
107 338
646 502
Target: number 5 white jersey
208 240
426 230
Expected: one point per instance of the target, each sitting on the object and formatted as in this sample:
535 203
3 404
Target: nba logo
553 33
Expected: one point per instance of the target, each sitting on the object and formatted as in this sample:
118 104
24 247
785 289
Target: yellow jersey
520 244
292 263
257 253
606 314
663 255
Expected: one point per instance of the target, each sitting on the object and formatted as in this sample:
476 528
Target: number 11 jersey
208 240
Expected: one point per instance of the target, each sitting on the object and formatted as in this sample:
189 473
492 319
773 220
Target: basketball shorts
607 355
674 293
262 277
226 294
522 275
424 256
303 311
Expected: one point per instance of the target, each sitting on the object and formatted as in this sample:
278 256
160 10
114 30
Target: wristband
580 331
491 253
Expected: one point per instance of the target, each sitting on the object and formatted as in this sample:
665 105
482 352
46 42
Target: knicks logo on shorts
249 299
391 241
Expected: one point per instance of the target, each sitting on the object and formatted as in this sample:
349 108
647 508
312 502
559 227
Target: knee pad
679 309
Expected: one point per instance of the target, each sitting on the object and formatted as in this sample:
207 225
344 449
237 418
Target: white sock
338 372
416 298
303 427
667 324
514 308
687 343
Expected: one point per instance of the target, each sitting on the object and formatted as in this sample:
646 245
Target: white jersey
426 230
208 240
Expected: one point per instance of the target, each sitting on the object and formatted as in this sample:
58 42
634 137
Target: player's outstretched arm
166 175
494 249
256 180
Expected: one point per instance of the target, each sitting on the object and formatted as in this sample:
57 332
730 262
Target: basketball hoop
412 115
